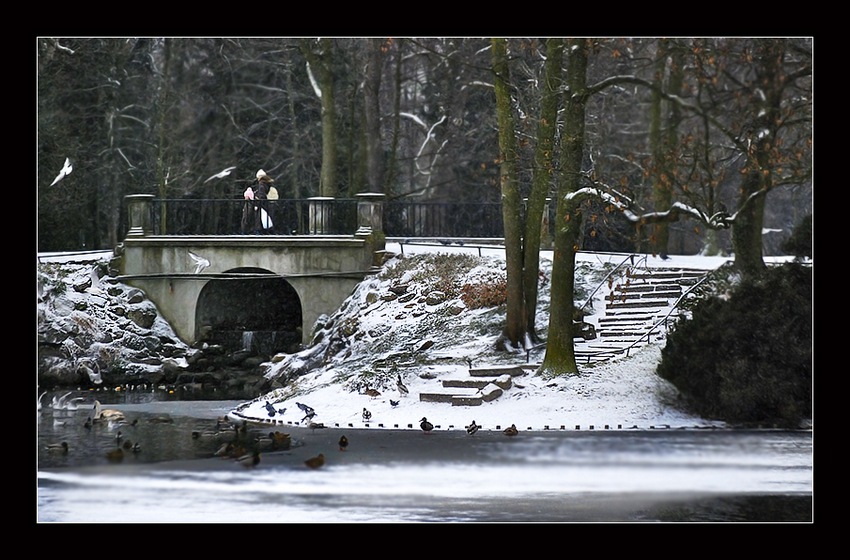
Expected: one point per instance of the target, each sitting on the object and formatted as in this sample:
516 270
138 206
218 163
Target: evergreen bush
747 358
799 243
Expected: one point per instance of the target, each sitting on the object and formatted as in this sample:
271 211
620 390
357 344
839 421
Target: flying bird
472 428
315 462
366 415
393 403
200 262
511 430
221 174
66 170
263 177
426 425
343 443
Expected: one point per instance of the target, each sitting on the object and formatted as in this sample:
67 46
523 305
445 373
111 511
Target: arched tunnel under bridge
262 315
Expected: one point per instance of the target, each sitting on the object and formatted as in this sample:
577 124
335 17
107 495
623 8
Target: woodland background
414 118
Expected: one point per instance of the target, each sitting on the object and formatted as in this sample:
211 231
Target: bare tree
319 55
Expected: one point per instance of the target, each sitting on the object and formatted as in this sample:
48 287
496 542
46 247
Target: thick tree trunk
372 113
544 161
392 159
320 65
746 234
560 351
513 335
663 136
758 171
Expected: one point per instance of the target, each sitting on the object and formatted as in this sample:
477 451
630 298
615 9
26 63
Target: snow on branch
415 119
718 220
316 89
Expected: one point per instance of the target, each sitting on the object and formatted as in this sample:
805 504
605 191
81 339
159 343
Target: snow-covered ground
619 394
372 341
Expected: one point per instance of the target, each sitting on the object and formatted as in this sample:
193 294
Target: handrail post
139 210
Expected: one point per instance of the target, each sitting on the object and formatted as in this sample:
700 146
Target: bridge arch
261 314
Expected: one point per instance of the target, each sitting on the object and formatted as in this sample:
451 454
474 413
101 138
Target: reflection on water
406 476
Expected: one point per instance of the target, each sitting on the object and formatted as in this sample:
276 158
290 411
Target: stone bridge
258 292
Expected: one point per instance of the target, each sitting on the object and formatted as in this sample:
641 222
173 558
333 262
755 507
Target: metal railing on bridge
326 216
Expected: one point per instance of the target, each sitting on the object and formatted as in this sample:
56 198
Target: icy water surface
406 476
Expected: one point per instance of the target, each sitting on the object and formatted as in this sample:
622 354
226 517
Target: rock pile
95 332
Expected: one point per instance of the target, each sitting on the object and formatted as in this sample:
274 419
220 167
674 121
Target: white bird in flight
200 262
66 170
221 175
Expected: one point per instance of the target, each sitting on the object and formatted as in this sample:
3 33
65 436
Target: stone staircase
633 306
483 385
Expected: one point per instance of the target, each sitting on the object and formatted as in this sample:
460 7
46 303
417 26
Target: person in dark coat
250 212
264 183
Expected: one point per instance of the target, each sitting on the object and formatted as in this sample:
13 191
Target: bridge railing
443 219
317 216
224 216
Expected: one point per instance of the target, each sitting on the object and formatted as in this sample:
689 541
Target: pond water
391 476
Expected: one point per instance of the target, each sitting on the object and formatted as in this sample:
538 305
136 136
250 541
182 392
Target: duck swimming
472 428
58 448
511 430
249 460
315 462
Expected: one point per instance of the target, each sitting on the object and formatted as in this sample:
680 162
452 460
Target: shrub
492 294
747 359
799 243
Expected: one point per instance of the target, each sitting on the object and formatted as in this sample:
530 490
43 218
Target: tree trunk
161 149
513 335
544 160
746 233
758 171
371 97
663 136
560 351
661 192
321 66
392 159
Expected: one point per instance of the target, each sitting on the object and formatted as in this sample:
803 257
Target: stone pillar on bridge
140 211
320 214
370 225
370 213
